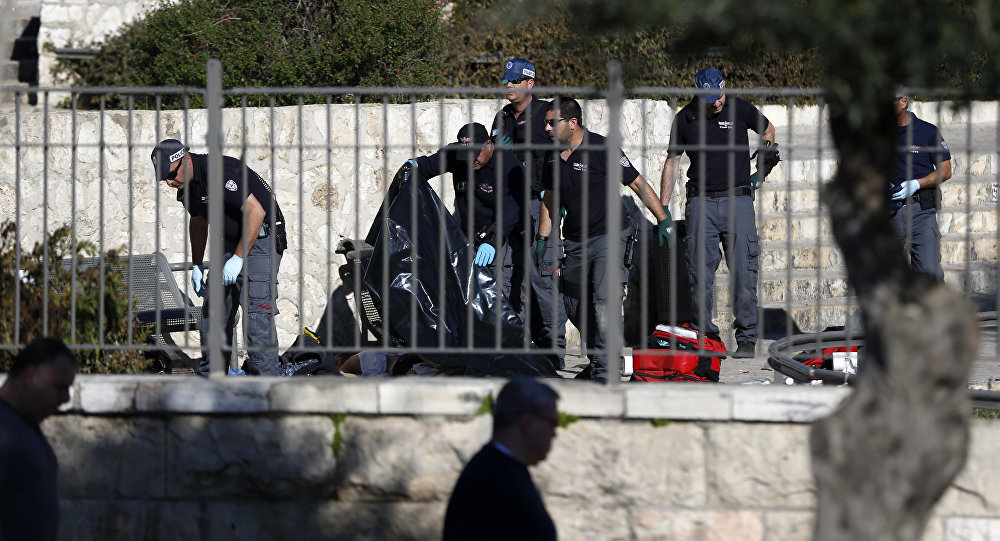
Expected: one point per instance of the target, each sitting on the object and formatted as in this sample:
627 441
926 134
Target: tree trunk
886 456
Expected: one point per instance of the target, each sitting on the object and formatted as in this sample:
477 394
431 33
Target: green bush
483 38
269 43
58 290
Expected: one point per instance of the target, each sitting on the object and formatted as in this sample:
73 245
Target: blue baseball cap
515 68
710 78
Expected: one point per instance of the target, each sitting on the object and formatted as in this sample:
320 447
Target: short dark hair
520 396
40 351
568 108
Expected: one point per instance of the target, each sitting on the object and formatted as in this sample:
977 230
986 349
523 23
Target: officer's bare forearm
253 215
939 175
545 215
198 232
667 178
648 197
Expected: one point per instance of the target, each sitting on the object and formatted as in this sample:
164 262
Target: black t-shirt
925 148
586 169
239 182
501 179
727 131
527 129
496 500
29 480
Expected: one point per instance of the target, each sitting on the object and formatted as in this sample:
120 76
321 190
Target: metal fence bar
216 298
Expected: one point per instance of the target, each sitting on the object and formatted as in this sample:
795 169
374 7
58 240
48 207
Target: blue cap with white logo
710 78
516 68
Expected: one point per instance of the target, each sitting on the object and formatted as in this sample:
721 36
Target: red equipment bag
677 353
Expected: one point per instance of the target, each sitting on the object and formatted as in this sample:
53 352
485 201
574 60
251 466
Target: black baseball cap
471 139
166 153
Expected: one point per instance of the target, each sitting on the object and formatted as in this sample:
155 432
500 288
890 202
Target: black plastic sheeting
419 262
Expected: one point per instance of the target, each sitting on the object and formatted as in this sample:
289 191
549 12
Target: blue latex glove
198 279
412 162
906 189
484 256
540 242
665 229
231 271
506 141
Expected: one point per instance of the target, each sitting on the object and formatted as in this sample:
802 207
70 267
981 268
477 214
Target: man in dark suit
495 497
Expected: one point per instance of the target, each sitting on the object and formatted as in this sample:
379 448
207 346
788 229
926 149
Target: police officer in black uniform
923 161
489 182
254 233
520 127
712 129
579 168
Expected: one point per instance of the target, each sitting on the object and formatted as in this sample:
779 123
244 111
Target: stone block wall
332 458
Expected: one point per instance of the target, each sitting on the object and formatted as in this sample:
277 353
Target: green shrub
269 43
483 38
57 294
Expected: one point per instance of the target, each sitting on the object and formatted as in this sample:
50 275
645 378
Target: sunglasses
173 174
517 81
553 121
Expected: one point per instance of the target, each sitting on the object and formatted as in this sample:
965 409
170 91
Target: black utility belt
281 240
926 197
693 191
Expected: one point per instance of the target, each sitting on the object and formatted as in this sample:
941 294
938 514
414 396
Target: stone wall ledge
127 395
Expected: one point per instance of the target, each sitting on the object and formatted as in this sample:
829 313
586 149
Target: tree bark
885 457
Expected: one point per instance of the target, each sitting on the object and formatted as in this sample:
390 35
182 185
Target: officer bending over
254 239
489 189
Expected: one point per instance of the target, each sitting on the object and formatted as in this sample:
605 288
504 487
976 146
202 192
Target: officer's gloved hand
665 229
231 270
540 242
198 279
484 255
506 141
412 162
906 189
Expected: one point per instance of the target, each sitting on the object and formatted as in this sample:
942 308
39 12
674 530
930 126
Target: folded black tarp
435 297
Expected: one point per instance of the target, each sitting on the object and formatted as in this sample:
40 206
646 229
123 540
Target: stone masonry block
198 395
108 457
585 523
120 520
678 401
107 394
401 458
976 490
585 399
971 529
247 457
757 465
660 524
784 404
788 525
438 396
612 463
318 395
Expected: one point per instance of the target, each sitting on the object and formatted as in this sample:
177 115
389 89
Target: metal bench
160 304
